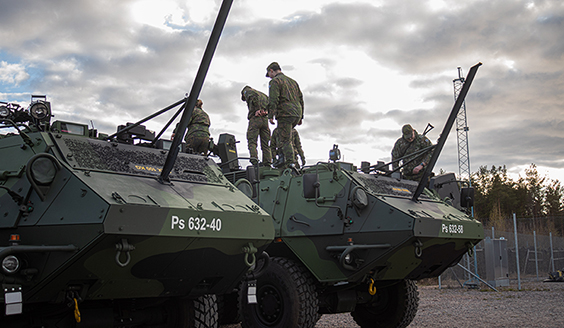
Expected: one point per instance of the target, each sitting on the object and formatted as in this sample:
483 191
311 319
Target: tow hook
250 251
253 276
74 298
371 287
418 250
123 246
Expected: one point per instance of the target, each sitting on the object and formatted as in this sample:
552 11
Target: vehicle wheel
286 297
393 307
228 308
198 313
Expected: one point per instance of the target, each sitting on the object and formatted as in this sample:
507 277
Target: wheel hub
270 305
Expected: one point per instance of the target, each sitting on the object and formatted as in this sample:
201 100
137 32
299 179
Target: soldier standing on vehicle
198 136
258 123
297 144
275 146
286 104
409 143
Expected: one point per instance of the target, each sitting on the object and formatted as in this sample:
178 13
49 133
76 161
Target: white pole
536 258
517 251
551 253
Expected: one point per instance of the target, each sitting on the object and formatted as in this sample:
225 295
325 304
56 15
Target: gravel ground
537 304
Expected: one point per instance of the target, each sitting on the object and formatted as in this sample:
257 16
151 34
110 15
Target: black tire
198 313
228 308
394 306
286 297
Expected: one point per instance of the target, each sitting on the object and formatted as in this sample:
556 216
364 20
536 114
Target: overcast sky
365 69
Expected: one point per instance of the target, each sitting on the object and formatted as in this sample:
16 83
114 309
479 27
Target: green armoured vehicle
354 241
104 231
86 225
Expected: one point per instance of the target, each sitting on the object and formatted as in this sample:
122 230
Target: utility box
227 151
447 187
497 268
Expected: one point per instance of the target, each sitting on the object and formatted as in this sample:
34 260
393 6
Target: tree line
535 200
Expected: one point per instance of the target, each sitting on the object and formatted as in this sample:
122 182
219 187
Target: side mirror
467 197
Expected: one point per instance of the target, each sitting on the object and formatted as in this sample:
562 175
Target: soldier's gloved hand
303 161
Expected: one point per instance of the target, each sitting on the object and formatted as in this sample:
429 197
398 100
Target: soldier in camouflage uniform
286 104
198 136
297 144
409 143
258 123
275 145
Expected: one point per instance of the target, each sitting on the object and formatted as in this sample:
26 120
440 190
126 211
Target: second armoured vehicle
355 241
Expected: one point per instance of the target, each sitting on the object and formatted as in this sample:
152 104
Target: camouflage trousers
199 144
258 126
285 126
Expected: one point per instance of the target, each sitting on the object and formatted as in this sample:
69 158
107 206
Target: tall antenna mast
462 133
464 167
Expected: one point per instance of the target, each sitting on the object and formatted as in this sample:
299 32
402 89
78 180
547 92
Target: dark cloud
96 62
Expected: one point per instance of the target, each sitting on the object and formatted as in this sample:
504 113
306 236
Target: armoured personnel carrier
87 226
355 241
121 230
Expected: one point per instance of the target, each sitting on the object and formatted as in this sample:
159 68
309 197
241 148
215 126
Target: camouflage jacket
403 148
285 98
256 100
199 125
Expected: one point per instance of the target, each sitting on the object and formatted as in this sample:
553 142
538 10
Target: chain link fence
549 257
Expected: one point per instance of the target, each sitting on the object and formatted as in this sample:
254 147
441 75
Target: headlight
245 186
359 198
10 264
348 258
4 111
335 153
40 111
43 171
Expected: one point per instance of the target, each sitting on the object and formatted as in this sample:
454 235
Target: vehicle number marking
195 223
452 228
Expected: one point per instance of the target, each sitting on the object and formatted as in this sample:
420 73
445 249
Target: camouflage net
387 186
100 155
